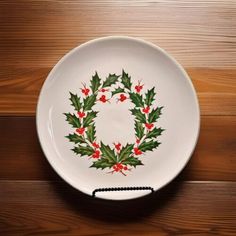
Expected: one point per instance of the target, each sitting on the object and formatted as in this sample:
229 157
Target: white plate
147 65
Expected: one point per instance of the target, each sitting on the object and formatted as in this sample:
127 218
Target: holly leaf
91 132
73 120
95 82
154 133
154 114
102 163
148 146
89 118
136 99
139 129
138 115
75 138
108 153
150 97
125 80
125 152
117 90
132 161
83 150
89 101
75 101
110 80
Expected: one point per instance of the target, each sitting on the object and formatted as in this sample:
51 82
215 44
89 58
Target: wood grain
197 33
19 89
35 34
216 90
54 208
213 159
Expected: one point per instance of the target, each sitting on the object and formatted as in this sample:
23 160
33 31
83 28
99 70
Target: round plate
117 118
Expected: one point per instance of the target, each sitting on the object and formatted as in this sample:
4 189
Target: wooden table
34 35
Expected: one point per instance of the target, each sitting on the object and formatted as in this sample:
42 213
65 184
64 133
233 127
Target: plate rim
138 40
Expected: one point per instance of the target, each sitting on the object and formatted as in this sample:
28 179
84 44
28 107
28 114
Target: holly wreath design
118 158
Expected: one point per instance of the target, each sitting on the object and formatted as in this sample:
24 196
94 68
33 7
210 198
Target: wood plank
197 33
32 42
19 89
182 208
20 152
213 159
216 90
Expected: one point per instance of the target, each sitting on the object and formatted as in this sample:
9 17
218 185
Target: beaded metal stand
121 189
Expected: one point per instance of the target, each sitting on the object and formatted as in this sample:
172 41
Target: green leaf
102 164
150 96
108 153
73 120
75 138
91 132
117 90
138 115
83 150
110 80
95 83
154 133
126 81
89 102
137 99
154 114
139 129
148 146
75 101
89 118
132 161
125 152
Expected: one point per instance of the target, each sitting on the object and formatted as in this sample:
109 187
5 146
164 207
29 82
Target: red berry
118 146
122 98
96 154
115 168
125 168
146 110
137 151
81 114
137 141
85 91
80 130
149 126
103 98
96 145
104 90
120 166
138 87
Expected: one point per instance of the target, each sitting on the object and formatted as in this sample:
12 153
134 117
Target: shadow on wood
112 211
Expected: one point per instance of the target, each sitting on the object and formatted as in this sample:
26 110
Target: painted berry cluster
117 158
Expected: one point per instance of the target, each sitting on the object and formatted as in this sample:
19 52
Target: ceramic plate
118 118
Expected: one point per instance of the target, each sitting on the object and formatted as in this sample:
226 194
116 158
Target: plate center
115 123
